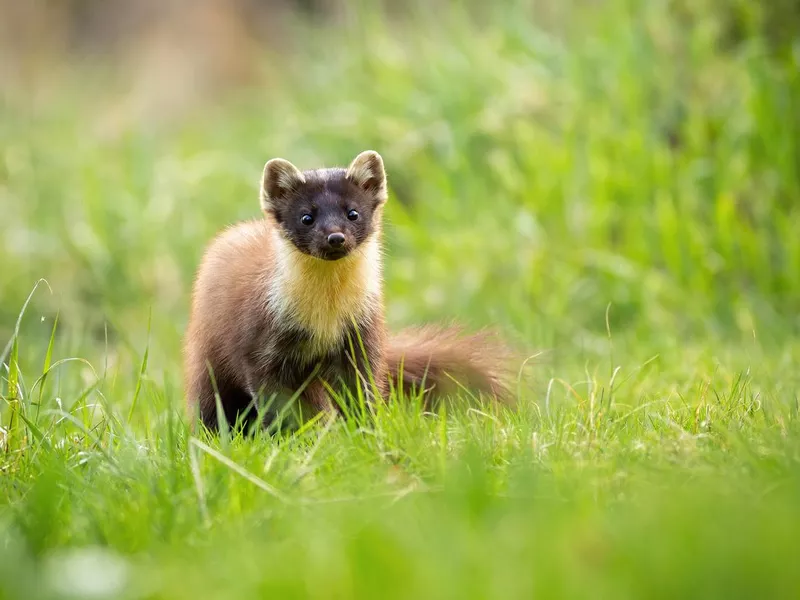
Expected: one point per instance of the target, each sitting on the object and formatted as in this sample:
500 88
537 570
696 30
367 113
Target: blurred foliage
777 23
622 161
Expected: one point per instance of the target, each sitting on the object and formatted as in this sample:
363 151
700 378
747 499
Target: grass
617 190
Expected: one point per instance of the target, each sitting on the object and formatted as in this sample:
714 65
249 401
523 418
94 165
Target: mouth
334 254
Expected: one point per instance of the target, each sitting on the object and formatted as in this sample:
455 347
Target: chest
290 356
323 308
324 299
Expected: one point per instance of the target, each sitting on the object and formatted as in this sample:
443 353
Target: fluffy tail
444 360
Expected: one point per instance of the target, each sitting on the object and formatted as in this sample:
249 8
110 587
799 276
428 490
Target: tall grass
615 186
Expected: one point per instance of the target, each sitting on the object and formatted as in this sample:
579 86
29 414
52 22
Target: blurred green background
614 184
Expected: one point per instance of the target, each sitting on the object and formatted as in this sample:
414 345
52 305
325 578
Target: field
616 187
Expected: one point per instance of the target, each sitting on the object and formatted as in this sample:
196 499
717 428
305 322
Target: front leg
314 400
365 362
289 409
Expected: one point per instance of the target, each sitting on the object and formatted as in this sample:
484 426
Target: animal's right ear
279 179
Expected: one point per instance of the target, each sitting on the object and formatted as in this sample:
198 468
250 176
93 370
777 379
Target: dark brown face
325 213
327 216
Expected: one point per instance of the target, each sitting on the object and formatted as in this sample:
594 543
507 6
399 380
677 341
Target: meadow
615 188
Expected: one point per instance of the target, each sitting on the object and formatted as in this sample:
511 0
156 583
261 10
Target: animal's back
231 282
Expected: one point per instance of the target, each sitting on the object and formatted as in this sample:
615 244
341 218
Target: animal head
326 213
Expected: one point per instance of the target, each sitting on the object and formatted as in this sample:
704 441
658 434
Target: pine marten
294 301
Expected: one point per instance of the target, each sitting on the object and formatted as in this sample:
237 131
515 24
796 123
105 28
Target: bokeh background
613 184
547 159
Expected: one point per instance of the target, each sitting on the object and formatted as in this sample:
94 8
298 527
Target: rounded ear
368 173
280 178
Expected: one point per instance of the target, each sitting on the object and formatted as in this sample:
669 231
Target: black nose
336 240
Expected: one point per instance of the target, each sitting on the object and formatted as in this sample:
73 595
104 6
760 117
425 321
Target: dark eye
352 215
306 219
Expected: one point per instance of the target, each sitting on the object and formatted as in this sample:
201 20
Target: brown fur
275 310
444 360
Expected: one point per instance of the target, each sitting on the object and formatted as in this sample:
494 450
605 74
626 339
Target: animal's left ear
367 172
